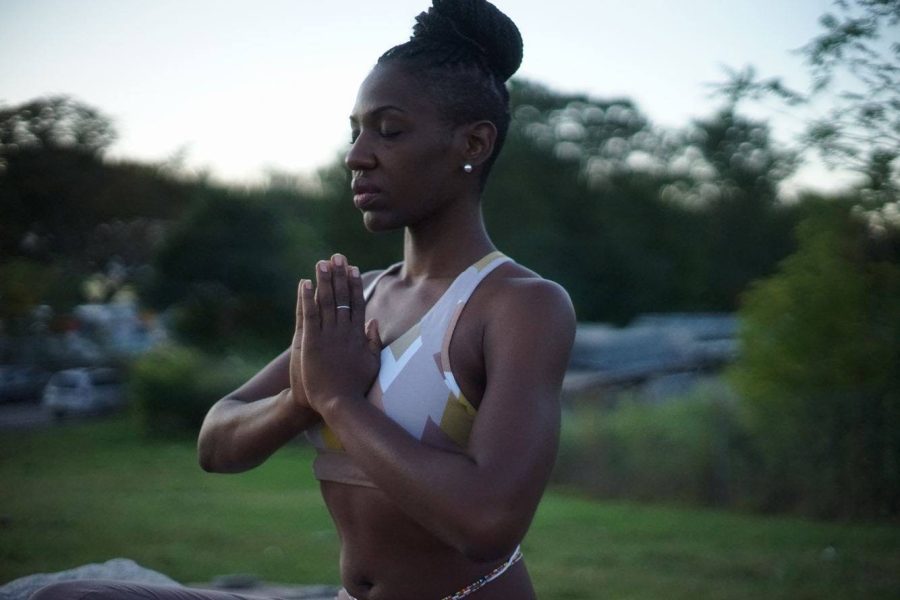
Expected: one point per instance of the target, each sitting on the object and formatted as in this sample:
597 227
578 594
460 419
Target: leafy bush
173 387
689 449
819 370
230 268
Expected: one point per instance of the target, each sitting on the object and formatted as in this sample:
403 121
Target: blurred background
715 184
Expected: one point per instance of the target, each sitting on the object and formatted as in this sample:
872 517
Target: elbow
213 456
207 463
211 462
206 455
209 451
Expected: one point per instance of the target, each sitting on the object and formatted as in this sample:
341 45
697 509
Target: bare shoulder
519 300
522 292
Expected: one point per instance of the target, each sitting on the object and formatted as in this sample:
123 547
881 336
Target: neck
447 243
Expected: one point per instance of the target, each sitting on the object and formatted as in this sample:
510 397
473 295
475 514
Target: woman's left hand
340 352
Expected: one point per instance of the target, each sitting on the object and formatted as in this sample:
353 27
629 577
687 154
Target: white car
83 391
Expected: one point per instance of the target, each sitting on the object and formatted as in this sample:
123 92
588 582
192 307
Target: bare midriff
385 555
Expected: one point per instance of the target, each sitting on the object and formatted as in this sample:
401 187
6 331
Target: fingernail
323 266
338 260
307 284
354 271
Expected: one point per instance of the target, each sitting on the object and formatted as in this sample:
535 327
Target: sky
239 89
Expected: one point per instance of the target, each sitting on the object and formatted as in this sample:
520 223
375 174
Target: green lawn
90 492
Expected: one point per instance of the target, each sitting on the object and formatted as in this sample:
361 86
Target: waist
384 553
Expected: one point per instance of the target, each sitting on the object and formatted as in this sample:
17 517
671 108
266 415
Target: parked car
83 391
21 383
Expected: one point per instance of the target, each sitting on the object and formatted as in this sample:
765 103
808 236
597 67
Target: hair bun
477 24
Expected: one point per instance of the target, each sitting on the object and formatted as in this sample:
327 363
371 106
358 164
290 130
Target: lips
364 194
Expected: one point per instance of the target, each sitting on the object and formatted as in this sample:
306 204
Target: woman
431 388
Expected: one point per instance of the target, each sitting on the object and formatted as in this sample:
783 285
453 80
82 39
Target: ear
478 142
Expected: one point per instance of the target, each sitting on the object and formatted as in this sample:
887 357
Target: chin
375 222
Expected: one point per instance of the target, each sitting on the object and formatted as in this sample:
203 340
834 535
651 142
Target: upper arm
527 342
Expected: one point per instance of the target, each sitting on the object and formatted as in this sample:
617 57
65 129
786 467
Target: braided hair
463 51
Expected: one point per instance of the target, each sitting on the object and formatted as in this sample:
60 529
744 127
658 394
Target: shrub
819 370
229 269
688 449
173 387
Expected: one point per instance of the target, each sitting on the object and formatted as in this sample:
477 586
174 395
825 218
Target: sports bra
415 385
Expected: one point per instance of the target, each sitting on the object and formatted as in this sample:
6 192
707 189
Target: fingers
373 336
340 288
298 327
357 301
338 292
324 292
309 309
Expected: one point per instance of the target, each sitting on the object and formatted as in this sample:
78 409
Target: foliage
869 118
855 61
25 284
60 202
692 449
630 218
172 388
54 122
746 229
587 192
230 268
818 369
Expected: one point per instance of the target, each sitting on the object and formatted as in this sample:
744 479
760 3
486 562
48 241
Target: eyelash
385 134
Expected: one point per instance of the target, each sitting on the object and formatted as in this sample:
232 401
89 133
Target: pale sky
243 87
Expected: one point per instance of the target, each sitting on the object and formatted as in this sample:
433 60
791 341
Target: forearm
238 435
461 502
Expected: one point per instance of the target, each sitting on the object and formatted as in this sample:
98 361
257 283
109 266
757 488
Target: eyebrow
374 113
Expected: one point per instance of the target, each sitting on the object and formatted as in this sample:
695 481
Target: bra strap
371 287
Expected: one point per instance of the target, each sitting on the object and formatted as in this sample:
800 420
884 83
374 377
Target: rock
123 569
120 569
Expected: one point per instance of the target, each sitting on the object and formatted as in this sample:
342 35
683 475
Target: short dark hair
463 51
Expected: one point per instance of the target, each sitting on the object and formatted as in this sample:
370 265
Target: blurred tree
230 268
818 368
566 198
54 122
534 194
586 192
631 218
863 128
747 229
56 190
856 62
172 388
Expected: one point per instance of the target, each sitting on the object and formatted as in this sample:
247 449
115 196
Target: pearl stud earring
467 168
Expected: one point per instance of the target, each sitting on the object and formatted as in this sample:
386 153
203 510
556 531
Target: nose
360 156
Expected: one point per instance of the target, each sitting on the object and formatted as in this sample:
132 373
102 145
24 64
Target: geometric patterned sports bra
415 385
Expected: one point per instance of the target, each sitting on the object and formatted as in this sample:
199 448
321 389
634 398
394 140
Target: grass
89 492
